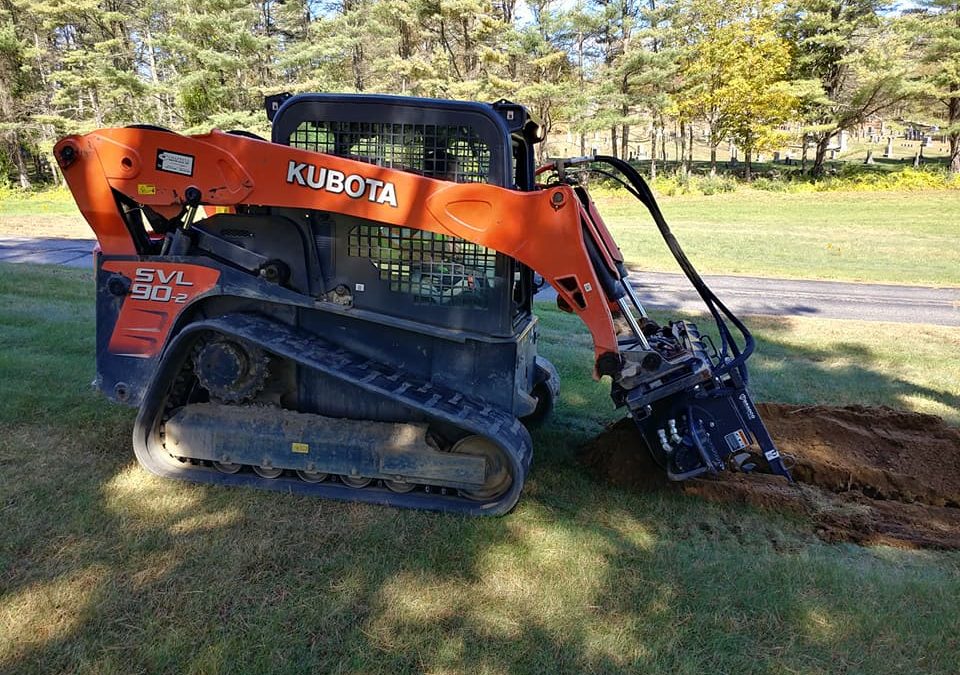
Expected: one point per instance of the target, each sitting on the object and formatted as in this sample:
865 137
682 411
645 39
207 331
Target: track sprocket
232 371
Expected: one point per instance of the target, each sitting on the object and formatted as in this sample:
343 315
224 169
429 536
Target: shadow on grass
834 370
146 574
104 568
108 569
840 373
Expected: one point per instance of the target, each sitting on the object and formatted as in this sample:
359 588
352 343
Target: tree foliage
852 56
935 33
734 66
636 71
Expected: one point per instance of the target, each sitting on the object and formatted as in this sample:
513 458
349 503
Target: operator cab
407 272
459 141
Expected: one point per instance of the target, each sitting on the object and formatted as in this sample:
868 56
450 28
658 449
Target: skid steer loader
345 310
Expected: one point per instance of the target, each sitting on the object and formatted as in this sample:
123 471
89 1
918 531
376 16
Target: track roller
268 471
356 481
399 486
227 467
313 476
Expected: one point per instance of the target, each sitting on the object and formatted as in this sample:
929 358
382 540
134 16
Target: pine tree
937 33
545 78
855 59
27 129
222 55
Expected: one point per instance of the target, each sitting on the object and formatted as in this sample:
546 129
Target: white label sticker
175 162
771 455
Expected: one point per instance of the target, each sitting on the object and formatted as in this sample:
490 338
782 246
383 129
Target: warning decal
174 162
736 440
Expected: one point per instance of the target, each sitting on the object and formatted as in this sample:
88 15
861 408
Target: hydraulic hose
638 187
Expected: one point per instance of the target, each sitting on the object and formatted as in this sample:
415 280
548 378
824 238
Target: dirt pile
868 475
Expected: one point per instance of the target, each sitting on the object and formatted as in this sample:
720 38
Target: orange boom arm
543 229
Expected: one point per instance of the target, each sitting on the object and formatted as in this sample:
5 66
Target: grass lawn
106 569
894 237
50 213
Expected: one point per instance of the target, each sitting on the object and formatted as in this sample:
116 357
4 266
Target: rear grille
447 152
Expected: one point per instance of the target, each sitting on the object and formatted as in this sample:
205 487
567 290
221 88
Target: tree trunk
583 135
953 163
690 149
357 63
663 141
683 149
823 142
677 145
613 140
748 158
95 104
653 152
713 157
154 75
625 142
22 171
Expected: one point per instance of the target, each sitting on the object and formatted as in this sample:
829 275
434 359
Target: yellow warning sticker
146 189
221 209
302 448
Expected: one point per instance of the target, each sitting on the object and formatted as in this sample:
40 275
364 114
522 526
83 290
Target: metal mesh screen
446 152
433 268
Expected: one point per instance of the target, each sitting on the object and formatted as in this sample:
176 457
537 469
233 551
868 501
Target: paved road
69 252
657 290
787 297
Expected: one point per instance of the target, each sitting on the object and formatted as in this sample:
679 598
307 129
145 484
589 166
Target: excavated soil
866 475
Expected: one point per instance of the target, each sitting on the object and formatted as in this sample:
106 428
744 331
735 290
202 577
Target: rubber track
310 351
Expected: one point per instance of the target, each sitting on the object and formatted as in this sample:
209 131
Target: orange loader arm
166 171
